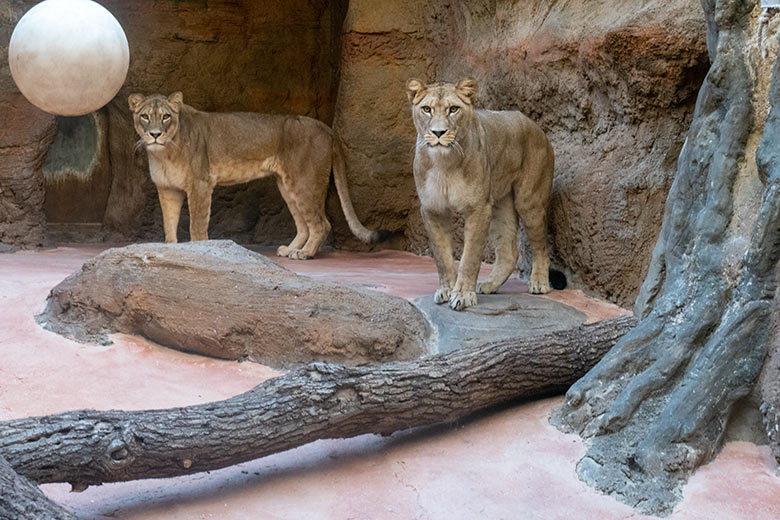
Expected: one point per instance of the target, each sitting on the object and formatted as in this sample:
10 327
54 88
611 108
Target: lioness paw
538 285
298 254
442 295
487 288
459 300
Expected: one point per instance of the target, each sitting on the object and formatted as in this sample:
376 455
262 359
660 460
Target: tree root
20 498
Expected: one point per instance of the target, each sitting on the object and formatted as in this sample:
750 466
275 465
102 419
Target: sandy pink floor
510 464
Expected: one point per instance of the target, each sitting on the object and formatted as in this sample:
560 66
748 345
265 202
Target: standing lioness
490 167
190 152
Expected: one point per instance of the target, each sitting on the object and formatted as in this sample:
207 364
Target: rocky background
613 83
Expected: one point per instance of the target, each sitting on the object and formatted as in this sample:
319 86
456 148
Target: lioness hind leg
319 227
503 237
170 203
301 228
534 217
199 201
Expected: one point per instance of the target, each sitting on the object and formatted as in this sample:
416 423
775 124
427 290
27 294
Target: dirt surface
509 463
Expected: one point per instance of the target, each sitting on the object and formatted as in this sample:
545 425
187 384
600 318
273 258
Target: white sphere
68 57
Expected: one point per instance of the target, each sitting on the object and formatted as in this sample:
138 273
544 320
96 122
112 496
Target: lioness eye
144 117
426 109
454 109
166 117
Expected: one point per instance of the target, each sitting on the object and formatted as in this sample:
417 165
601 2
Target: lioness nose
439 133
155 134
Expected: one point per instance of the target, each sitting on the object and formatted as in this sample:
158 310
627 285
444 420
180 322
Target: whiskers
172 144
458 148
141 143
438 143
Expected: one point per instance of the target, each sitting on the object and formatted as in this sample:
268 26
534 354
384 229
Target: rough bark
770 401
219 299
313 402
768 158
657 405
20 498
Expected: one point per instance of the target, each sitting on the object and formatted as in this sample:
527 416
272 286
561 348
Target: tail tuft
380 235
557 280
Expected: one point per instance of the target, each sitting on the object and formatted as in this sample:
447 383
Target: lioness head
156 118
441 110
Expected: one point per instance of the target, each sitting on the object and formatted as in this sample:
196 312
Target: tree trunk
20 498
313 402
770 401
656 406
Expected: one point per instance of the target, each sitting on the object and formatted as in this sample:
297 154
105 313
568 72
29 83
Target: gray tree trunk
20 498
657 405
313 402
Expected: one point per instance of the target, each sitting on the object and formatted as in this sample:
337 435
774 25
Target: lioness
190 152
491 167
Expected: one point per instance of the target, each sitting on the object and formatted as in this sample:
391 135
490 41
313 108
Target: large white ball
68 57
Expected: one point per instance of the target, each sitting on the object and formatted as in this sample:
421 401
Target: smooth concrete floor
506 464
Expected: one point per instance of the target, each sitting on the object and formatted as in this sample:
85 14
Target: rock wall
613 84
277 57
25 136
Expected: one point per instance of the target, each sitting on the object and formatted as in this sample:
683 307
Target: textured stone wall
275 56
612 83
25 135
279 56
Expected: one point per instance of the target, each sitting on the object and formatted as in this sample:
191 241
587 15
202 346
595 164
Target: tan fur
190 152
492 168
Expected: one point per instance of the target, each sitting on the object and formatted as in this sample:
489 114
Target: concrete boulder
219 299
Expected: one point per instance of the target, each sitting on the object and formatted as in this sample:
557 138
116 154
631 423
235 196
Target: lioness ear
467 90
177 100
135 100
414 89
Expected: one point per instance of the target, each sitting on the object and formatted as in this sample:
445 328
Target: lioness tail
340 177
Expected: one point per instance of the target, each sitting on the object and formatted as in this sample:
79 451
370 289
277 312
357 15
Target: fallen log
313 402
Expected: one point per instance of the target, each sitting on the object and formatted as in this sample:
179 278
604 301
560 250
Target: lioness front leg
464 294
199 201
170 203
439 230
503 235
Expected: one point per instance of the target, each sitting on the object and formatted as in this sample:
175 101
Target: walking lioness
190 152
491 167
